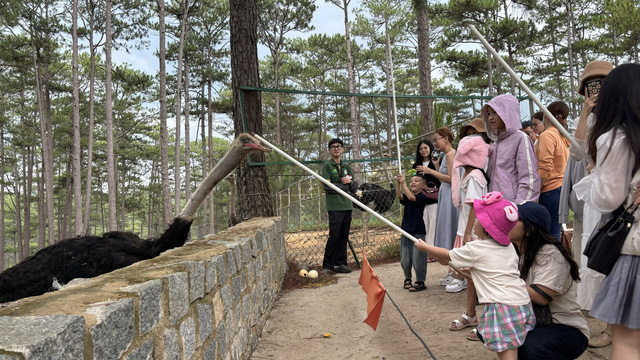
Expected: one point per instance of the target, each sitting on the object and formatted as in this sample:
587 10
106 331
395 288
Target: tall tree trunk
123 196
570 25
111 165
2 199
205 158
92 81
353 101
253 191
18 211
28 192
177 167
187 129
615 45
323 143
490 74
276 66
77 175
47 147
389 71
25 197
424 65
68 198
212 210
41 210
164 156
554 54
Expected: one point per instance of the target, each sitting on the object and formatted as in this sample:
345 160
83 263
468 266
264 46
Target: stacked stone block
206 300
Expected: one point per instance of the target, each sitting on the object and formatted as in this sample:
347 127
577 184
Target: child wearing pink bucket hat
507 316
471 157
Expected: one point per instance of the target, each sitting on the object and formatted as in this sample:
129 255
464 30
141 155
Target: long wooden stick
348 196
533 97
395 108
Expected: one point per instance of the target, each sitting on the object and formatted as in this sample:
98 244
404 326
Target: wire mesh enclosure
303 209
301 123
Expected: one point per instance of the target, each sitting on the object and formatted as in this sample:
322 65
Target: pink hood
513 166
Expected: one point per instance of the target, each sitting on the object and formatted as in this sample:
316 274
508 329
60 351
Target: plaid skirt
505 327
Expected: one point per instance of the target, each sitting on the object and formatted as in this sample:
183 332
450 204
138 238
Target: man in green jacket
339 209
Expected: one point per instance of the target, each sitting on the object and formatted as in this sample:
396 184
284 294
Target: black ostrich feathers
376 197
85 257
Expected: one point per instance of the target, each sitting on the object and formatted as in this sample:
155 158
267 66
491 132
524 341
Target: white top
551 270
591 119
472 187
494 270
610 184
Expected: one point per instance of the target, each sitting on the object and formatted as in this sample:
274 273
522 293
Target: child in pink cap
507 316
471 156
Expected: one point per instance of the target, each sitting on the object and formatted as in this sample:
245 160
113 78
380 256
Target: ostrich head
243 145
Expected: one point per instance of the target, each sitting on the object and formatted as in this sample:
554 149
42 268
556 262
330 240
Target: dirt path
300 318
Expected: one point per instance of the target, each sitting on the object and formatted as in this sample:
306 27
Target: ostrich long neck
223 168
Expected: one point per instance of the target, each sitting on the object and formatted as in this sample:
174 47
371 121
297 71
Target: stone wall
206 300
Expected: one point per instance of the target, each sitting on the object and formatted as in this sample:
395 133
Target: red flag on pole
375 293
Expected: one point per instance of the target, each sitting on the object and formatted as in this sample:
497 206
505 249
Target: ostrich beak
257 147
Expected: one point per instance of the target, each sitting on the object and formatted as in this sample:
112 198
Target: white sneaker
456 286
447 280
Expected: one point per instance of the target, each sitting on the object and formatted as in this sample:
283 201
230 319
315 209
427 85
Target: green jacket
333 172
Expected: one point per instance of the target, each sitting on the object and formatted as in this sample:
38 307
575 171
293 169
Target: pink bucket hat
497 215
473 151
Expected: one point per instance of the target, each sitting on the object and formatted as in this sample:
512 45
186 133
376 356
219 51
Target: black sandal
407 284
418 286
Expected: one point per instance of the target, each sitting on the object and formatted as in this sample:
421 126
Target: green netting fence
309 119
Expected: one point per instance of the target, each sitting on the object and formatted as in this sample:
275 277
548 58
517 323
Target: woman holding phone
614 146
590 283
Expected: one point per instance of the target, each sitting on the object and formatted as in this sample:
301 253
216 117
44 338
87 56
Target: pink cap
497 215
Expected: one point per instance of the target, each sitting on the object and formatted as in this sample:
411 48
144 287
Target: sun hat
497 215
594 68
536 214
476 123
473 151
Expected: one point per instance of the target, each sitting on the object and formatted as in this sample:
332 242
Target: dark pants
551 200
335 253
553 342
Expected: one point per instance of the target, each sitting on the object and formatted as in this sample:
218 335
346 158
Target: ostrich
381 198
90 256
232 219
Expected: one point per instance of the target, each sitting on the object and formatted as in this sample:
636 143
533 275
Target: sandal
407 284
601 340
473 335
460 324
418 286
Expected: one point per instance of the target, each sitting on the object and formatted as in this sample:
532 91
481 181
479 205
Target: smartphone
593 87
435 156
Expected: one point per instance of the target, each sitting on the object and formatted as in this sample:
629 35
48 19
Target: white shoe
456 286
446 280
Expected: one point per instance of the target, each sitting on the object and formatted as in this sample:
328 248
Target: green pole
353 251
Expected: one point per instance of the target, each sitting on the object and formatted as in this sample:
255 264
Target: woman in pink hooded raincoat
513 166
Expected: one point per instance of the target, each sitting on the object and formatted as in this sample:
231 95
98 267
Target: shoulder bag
431 192
605 243
542 312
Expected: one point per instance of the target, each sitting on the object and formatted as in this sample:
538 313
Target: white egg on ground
313 274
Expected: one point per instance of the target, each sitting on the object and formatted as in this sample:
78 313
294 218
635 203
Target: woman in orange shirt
552 150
